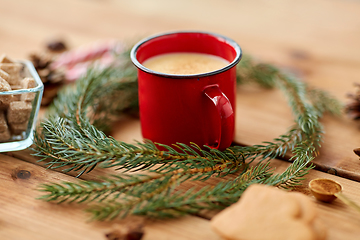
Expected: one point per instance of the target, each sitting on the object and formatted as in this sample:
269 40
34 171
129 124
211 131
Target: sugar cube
18 128
13 69
5 87
25 84
19 111
17 97
4 75
3 124
4 136
5 59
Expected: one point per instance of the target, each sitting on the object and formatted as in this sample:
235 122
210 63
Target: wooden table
318 39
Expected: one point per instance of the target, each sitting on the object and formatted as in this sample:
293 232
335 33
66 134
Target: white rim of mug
226 40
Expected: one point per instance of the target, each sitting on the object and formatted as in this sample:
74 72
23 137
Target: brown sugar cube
18 128
3 124
5 59
3 106
17 97
5 87
19 112
16 87
5 136
13 69
4 75
27 83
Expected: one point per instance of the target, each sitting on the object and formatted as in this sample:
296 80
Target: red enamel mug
196 108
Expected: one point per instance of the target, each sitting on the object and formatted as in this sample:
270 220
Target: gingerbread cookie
265 212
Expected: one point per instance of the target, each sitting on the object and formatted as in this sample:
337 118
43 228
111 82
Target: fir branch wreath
72 137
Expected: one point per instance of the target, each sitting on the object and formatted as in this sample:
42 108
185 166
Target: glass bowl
18 115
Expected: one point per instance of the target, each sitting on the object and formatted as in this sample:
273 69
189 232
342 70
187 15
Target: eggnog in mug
185 63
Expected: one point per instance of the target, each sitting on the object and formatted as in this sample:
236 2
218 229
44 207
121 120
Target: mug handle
226 114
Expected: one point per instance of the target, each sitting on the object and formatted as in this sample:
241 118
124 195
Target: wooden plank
317 39
127 129
340 220
24 217
273 118
322 47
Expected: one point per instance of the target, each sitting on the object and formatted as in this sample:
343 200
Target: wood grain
318 40
340 220
20 209
24 217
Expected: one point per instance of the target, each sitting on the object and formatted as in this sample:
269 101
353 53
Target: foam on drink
185 63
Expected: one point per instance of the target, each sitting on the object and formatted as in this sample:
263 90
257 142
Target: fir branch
70 138
297 170
118 93
174 203
68 147
126 184
90 154
265 75
323 102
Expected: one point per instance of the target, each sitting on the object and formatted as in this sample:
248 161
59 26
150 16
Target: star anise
353 107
